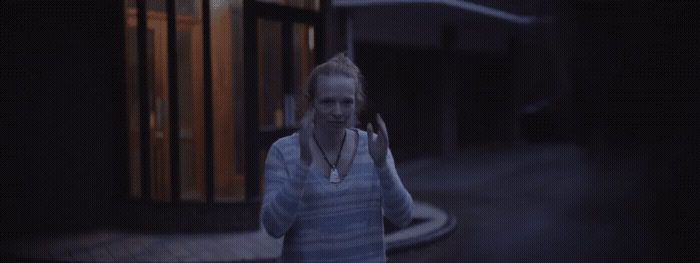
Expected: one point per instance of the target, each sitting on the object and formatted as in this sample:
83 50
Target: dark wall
63 65
403 85
484 82
634 69
636 72
635 66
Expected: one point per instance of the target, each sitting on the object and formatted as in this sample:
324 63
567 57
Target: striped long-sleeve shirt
324 221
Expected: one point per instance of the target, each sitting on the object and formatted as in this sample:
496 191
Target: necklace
334 176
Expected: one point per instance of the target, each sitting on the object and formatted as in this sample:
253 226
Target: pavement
536 203
528 203
430 224
115 246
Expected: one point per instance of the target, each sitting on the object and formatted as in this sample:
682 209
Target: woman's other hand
378 143
305 133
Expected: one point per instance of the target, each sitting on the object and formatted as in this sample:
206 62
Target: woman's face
334 102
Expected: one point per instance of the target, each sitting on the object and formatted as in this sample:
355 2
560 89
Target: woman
328 186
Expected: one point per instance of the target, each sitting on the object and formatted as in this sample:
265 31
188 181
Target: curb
439 224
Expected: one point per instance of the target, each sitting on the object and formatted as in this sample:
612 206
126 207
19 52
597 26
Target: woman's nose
336 110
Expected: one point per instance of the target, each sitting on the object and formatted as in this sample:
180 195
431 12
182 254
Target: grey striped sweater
322 221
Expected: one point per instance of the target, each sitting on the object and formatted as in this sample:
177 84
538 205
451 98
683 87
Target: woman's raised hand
378 143
305 133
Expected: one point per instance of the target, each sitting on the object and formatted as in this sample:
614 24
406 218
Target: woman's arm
283 193
396 201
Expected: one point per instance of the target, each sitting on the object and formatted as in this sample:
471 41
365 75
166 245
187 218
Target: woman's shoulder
287 142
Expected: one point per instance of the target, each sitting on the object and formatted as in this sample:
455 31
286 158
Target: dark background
634 71
62 73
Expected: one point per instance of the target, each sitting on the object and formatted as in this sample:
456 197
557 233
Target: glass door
283 37
189 88
238 88
157 97
193 98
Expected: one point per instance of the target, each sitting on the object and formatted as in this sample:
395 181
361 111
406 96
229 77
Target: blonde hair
337 65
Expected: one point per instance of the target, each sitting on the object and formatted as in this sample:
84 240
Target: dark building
100 87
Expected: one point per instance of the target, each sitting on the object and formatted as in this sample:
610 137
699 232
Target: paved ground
115 246
522 204
111 246
538 203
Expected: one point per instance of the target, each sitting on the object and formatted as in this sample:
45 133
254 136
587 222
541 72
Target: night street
529 204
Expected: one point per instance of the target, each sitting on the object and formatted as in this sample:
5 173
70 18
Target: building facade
157 114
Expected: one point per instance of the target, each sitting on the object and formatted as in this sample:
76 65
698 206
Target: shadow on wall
70 147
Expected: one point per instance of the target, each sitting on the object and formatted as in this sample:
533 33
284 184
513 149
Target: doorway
240 68
189 89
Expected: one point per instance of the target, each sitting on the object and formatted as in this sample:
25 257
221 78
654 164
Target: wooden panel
228 180
191 110
160 134
270 86
133 108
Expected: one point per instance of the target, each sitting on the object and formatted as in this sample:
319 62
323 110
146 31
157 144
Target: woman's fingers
378 144
382 130
305 138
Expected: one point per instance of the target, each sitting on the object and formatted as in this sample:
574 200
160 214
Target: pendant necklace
334 176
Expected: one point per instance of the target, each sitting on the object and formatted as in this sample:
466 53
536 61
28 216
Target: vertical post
320 32
563 87
120 97
250 80
173 102
349 36
208 125
288 72
449 91
515 98
145 115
